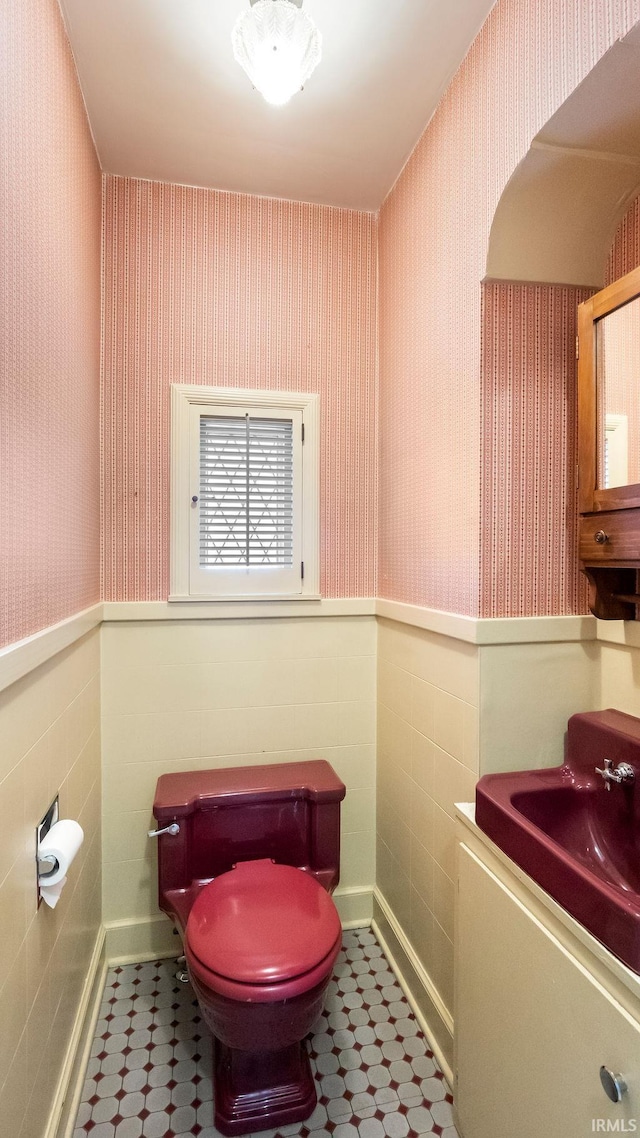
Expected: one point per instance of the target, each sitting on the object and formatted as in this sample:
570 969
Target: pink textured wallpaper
625 251
49 328
529 563
434 229
233 290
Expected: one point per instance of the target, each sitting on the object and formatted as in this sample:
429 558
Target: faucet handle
606 772
623 773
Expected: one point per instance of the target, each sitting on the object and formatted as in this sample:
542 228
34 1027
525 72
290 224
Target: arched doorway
552 243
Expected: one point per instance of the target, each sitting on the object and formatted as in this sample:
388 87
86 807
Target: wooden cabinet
533 1022
611 538
609 471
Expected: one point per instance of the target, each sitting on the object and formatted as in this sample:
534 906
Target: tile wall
620 677
448 712
199 694
527 693
50 730
427 760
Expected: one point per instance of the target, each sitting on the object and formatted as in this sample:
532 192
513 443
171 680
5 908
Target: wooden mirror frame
609 526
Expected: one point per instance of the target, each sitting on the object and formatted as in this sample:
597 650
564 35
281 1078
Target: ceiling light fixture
278 46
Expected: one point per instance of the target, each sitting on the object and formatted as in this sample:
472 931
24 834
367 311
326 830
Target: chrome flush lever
173 829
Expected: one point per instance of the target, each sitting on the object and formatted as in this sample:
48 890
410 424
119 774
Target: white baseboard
441 1020
61 1121
355 907
151 938
139 939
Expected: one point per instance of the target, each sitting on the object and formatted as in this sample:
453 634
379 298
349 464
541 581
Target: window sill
249 598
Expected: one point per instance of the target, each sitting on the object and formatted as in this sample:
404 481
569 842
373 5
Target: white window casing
616 450
244 494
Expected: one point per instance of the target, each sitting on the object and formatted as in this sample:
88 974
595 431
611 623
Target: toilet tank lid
178 795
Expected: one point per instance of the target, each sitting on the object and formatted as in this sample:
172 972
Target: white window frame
188 582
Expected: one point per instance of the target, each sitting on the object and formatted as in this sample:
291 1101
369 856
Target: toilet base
260 1090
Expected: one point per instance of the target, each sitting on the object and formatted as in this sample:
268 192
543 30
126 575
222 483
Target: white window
244 494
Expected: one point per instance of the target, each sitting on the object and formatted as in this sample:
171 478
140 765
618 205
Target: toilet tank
289 812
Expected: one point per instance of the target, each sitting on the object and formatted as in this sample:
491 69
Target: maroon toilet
247 880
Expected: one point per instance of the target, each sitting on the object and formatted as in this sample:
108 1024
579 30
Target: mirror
618 396
609 397
609 447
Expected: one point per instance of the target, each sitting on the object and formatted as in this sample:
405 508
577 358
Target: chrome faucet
623 773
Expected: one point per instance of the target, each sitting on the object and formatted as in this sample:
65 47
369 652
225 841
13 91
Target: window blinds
246 491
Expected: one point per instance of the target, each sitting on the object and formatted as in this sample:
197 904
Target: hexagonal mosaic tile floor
149 1075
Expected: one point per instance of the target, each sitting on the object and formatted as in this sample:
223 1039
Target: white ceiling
167 101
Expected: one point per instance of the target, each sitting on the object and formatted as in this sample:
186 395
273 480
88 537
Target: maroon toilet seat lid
262 923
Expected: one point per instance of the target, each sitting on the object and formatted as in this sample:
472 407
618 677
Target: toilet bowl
261 935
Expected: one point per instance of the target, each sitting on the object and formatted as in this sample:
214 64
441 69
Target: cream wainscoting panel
527 693
458 698
428 690
195 694
620 677
50 729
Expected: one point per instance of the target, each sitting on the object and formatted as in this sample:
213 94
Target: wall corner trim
17 659
625 633
472 630
431 620
491 630
302 608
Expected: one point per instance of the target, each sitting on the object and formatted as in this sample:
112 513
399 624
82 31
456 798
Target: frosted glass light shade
278 46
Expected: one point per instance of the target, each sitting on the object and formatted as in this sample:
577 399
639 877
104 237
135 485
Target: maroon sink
575 838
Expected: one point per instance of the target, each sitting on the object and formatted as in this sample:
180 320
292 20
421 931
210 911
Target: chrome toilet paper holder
45 868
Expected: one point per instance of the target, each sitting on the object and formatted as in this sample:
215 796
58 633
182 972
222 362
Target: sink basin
578 841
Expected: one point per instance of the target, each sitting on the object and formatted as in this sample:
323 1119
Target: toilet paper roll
59 847
51 893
